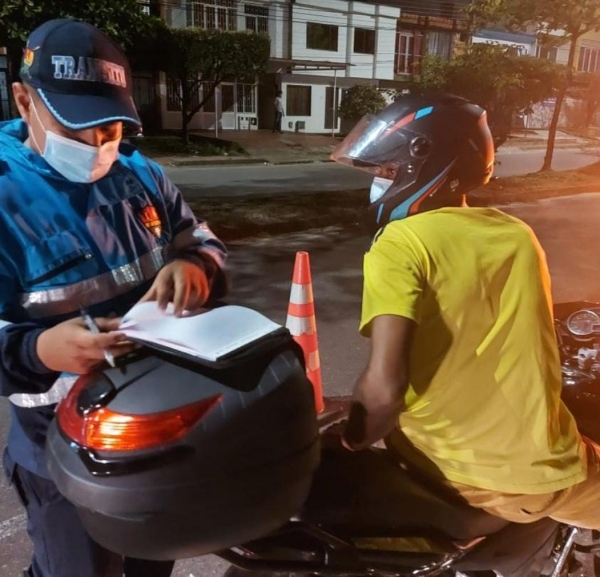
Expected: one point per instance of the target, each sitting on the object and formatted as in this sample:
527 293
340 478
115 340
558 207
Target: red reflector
106 430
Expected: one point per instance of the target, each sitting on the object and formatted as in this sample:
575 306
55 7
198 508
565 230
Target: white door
228 106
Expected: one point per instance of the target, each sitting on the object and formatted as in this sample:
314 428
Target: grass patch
237 218
233 219
155 146
537 185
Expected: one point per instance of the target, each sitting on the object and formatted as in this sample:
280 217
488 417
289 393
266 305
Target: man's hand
379 393
181 282
70 347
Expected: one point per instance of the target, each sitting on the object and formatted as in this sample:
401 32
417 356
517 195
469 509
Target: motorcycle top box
168 457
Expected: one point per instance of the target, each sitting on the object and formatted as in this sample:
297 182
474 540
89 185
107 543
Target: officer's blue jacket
64 245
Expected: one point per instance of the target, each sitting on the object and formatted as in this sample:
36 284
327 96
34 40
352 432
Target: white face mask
379 187
76 161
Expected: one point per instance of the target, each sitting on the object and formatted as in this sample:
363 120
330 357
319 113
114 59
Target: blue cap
81 75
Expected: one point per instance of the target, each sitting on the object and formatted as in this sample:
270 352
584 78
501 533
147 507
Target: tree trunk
185 118
560 98
185 133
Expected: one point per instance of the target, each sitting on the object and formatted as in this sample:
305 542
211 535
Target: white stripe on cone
314 361
299 326
301 294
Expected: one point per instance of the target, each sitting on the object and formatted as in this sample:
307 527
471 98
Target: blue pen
93 327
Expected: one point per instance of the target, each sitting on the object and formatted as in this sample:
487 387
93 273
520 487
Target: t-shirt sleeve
394 278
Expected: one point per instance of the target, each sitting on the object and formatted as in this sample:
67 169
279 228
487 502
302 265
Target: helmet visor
371 145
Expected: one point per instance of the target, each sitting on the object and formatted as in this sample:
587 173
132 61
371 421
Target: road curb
249 161
531 195
214 163
242 217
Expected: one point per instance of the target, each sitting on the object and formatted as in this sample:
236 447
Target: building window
589 60
364 41
173 95
145 7
298 102
439 44
409 49
321 37
209 105
212 14
546 53
143 91
246 99
257 18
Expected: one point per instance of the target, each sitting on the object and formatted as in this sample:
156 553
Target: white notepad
208 334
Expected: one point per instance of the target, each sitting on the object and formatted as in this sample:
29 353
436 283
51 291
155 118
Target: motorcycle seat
368 494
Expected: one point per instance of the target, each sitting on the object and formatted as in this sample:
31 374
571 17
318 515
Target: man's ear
22 100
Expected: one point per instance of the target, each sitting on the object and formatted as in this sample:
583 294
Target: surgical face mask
76 161
379 187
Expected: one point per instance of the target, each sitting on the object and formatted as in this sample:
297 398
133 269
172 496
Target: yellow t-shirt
483 403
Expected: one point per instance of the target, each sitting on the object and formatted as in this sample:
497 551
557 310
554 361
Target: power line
324 17
186 10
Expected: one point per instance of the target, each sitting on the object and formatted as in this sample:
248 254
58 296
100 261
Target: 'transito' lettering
89 69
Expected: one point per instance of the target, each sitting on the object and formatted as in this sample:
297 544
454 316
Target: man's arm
192 238
21 370
394 282
379 393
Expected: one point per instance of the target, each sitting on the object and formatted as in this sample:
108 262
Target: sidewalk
532 139
264 147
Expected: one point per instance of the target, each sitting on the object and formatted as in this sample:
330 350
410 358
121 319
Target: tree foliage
495 78
587 91
361 99
195 58
123 20
555 22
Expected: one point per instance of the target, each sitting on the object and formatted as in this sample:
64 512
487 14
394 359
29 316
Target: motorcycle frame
341 557
336 556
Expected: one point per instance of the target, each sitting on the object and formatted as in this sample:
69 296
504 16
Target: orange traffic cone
302 323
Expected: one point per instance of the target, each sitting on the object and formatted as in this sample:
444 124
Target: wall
347 16
590 40
361 67
176 16
315 123
171 120
526 49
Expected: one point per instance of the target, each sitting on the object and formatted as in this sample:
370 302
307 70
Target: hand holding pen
94 328
79 346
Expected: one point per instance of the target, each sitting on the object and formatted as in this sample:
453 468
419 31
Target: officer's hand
181 282
70 347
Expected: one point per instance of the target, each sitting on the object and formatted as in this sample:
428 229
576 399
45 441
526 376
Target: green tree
555 22
495 78
193 58
590 96
361 99
123 20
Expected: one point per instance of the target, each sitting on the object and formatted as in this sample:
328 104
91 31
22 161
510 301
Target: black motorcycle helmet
417 147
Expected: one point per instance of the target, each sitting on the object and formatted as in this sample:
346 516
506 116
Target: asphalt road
567 227
323 177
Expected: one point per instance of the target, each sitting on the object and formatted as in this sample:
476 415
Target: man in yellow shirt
464 378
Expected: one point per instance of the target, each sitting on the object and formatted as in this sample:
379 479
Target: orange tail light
106 430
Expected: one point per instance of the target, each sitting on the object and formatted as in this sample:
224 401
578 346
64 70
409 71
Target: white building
334 45
525 44
319 48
